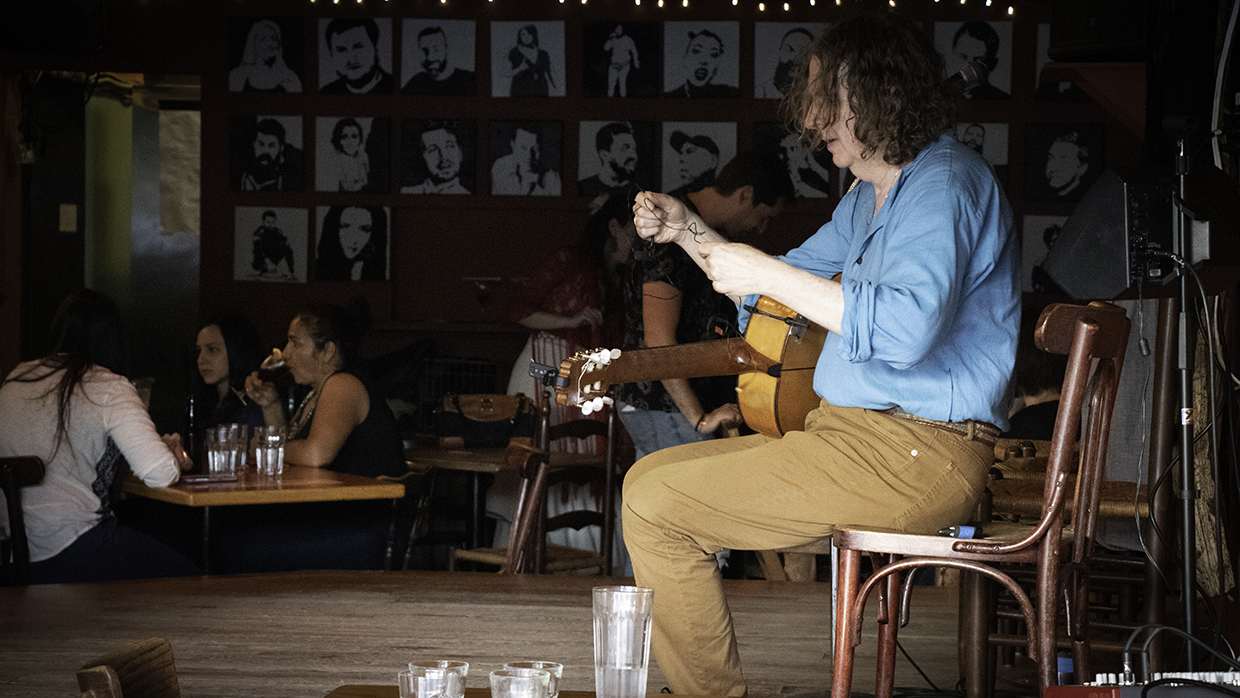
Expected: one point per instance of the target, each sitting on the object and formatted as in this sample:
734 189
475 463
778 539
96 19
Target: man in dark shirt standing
438 77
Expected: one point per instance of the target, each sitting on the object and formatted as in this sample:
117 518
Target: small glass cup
426 682
555 669
454 665
220 461
520 683
269 450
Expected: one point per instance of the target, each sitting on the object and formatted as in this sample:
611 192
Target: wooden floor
303 634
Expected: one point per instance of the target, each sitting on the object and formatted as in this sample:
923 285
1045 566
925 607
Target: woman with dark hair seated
75 410
343 424
228 352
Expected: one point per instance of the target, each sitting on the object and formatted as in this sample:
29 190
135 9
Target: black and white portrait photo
270 244
987 43
990 140
265 153
265 54
1038 234
527 59
622 59
527 158
810 171
1052 91
355 56
693 152
437 57
351 154
1062 160
438 156
779 49
615 155
701 59
352 243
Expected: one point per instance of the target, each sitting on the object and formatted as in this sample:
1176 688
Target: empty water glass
520 683
556 670
426 682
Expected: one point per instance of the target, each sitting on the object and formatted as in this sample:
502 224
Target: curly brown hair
894 79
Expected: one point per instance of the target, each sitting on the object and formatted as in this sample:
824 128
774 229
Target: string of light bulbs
787 6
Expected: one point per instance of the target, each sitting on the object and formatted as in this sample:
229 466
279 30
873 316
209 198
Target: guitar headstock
585 375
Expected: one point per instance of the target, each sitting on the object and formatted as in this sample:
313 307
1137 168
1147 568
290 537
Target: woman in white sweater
73 410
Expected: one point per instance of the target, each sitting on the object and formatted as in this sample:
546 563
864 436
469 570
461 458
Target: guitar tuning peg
608 401
615 354
597 403
603 357
587 407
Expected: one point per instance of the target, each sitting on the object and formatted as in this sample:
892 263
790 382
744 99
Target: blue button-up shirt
931 291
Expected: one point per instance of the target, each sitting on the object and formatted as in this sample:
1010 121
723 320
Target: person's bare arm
342 406
739 270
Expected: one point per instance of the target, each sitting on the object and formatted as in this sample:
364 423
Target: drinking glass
427 682
220 461
239 440
622 616
555 669
269 450
520 683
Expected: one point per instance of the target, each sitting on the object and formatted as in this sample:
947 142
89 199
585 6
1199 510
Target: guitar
774 363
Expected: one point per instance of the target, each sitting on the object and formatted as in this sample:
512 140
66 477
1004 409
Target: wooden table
297 484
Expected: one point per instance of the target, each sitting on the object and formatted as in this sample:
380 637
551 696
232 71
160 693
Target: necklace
303 414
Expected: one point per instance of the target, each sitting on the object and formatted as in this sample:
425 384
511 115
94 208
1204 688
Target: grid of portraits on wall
269 244
354 148
352 243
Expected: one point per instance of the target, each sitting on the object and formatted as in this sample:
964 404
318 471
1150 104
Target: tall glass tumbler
622 618
269 450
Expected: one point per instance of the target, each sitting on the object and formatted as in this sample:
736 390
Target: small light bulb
1011 11
684 3
762 7
785 7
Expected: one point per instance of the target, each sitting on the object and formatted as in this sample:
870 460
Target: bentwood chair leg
889 597
846 595
974 630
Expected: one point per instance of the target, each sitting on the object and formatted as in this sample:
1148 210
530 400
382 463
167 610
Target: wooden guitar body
775 405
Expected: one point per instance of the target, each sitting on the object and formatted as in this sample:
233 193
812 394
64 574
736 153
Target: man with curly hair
913 377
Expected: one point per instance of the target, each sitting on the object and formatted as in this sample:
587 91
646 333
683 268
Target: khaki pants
850 465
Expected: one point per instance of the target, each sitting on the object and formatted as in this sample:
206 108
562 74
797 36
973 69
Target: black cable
919 671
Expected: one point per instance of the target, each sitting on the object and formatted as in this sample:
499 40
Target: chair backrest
17 472
1096 333
532 465
144 669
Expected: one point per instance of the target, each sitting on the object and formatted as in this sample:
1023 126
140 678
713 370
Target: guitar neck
723 357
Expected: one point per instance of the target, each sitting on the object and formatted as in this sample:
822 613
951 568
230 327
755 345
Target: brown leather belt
970 429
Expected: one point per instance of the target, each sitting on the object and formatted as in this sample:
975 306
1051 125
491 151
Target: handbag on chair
484 420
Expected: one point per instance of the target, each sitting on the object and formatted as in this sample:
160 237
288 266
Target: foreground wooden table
297 484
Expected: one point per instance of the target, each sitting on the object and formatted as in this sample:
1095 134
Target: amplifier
1105 687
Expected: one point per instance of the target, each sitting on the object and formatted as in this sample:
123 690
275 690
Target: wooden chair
144 669
1097 333
15 473
527 550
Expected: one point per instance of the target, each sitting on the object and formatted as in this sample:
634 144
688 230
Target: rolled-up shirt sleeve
131 428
